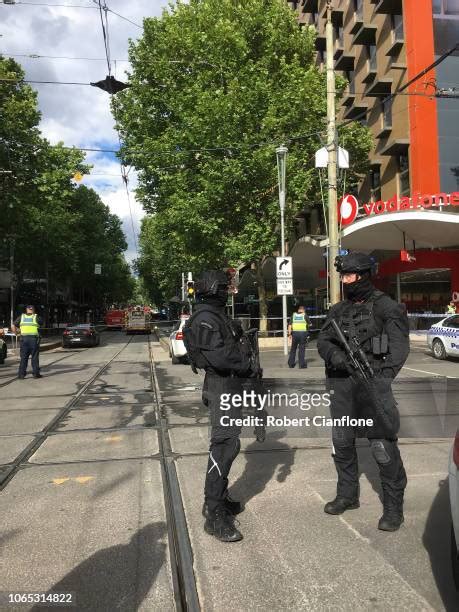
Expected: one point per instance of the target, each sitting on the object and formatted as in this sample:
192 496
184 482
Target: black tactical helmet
210 282
357 263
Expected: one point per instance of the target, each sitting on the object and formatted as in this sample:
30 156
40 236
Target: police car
443 338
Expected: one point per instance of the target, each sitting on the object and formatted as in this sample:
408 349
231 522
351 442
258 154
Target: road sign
284 267
285 286
97 268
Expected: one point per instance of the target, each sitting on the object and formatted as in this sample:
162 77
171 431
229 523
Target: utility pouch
380 344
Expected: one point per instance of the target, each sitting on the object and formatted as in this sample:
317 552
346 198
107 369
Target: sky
79 115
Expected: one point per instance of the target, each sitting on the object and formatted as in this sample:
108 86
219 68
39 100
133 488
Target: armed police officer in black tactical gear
375 337
213 343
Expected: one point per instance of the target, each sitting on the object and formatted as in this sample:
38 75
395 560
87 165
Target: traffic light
190 289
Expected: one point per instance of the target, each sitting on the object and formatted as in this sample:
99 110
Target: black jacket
389 317
219 342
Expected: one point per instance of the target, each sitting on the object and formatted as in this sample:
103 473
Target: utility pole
183 286
332 163
12 245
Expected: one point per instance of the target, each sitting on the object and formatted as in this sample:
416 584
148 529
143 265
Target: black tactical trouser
349 398
224 439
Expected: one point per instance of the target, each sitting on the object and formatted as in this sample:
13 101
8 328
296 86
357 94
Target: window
339 36
387 113
403 175
371 58
451 7
350 76
452 322
397 28
358 9
375 183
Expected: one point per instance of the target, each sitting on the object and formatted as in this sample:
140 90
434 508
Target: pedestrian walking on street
372 320
451 308
29 324
298 331
213 344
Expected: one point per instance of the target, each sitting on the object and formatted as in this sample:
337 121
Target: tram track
181 554
11 469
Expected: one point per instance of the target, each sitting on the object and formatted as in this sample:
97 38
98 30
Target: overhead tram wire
49 4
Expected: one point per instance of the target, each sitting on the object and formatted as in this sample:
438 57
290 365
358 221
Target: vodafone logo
348 207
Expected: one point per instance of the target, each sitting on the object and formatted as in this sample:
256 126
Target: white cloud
79 115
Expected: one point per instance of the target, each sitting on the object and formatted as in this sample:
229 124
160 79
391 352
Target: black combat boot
234 507
392 517
340 505
220 523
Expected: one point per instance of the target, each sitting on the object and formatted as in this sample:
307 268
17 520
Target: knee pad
379 451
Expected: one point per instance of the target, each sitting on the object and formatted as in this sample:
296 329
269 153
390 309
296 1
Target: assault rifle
250 339
362 370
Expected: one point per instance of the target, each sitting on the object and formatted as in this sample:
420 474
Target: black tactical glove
338 361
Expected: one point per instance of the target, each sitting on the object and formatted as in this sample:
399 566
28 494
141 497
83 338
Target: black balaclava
218 299
360 290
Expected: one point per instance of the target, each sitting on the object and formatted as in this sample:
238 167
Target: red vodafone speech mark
348 207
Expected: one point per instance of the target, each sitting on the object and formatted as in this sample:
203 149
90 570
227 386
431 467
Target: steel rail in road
181 553
38 438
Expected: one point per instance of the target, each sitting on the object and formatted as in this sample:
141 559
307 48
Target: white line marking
357 534
426 372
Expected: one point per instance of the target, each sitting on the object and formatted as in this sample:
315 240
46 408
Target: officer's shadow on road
262 465
110 579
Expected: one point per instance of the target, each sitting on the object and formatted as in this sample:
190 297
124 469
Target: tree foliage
59 230
216 85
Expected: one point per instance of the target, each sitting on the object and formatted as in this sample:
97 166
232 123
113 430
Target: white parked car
177 350
454 501
443 338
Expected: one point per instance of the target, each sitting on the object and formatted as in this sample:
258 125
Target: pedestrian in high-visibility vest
451 308
298 330
29 324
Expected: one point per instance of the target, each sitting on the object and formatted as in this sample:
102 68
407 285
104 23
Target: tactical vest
29 325
299 322
195 341
359 321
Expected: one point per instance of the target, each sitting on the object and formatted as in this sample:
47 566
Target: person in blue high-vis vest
298 330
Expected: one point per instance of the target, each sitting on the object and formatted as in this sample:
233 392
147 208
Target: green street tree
59 230
216 85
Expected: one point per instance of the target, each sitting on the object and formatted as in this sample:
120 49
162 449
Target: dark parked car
81 335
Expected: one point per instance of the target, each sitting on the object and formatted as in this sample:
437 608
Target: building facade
380 46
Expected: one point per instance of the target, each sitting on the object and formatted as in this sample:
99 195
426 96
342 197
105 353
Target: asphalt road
85 513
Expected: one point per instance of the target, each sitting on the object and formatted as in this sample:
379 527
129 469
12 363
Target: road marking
357 534
426 372
113 439
79 479
59 481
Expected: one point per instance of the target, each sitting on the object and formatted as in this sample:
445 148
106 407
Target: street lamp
281 154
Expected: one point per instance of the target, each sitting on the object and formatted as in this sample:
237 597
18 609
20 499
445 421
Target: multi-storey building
385 49
379 46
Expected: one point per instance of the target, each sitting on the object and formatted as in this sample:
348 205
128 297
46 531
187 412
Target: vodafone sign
348 206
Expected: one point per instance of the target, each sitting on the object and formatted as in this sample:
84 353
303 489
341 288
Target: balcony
345 61
365 35
348 98
379 87
398 146
358 18
321 42
388 7
310 6
357 111
398 36
337 15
